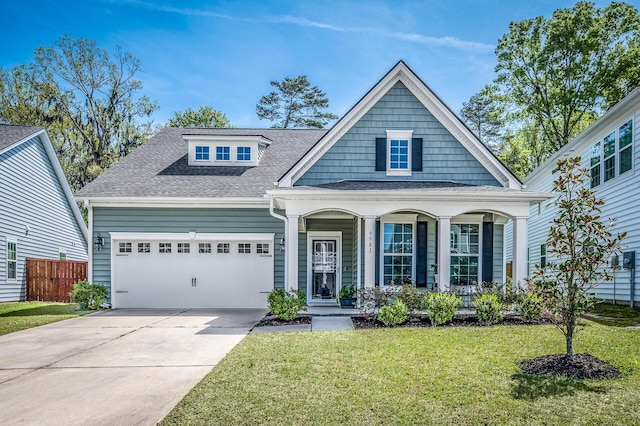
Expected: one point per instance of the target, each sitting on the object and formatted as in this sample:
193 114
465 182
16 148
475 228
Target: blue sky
224 53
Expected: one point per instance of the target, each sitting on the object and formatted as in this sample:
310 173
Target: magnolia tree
580 245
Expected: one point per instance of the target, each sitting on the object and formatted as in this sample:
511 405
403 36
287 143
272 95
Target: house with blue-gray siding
608 150
399 190
39 217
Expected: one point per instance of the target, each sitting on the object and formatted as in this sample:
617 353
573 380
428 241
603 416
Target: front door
325 270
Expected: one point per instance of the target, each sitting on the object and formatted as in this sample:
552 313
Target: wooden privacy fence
52 280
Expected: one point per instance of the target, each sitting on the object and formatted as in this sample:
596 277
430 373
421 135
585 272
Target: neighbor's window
610 157
222 153
465 253
398 253
202 153
223 248
543 255
164 248
625 146
244 153
12 260
144 247
124 247
62 255
184 248
262 248
204 248
595 165
244 248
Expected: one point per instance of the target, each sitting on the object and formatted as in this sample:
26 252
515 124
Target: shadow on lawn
42 310
534 386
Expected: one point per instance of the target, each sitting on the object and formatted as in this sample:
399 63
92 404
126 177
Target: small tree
580 245
205 116
295 104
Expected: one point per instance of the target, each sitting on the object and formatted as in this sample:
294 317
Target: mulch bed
272 320
578 366
367 321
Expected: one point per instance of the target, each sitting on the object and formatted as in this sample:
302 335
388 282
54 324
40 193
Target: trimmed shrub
410 296
286 304
88 295
374 298
441 307
530 306
488 308
395 314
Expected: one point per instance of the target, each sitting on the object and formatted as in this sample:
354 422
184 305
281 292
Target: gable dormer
225 150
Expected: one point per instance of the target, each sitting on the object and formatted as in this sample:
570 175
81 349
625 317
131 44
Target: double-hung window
595 165
397 253
202 153
465 253
244 153
625 147
610 156
12 260
222 153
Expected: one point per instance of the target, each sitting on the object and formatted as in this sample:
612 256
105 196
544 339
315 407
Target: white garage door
191 271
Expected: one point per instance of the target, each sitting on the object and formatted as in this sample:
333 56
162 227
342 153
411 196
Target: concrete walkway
115 367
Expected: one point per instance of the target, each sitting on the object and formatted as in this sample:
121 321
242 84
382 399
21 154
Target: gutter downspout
286 238
89 207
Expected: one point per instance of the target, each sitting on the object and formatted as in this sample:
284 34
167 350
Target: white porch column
291 248
444 253
520 271
369 251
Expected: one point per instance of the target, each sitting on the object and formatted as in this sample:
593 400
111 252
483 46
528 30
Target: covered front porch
432 236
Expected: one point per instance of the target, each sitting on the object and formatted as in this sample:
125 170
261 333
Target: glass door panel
324 269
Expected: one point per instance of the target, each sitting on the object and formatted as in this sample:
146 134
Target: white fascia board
226 138
190 236
401 72
530 196
175 202
627 105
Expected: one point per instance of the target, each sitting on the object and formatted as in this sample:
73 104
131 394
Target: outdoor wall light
99 242
282 243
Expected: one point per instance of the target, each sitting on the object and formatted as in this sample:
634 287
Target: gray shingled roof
159 167
10 134
407 185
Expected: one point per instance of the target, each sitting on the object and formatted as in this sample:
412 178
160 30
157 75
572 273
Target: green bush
88 295
530 306
286 304
441 307
374 298
488 308
395 314
410 296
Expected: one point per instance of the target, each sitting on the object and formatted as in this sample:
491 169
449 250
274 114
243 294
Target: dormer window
226 150
399 152
202 153
244 153
222 153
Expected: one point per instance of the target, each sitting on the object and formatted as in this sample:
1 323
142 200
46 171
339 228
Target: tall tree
562 72
580 245
295 104
205 116
86 98
484 116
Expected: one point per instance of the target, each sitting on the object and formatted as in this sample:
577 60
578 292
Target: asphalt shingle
10 134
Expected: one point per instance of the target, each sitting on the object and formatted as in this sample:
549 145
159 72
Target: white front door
324 277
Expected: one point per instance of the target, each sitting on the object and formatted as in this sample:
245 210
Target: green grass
15 316
461 376
615 315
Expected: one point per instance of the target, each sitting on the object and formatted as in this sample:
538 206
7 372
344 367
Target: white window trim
61 252
470 219
250 154
399 135
6 246
616 155
215 158
195 154
405 219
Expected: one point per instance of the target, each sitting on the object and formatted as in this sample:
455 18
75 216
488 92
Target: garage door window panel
204 248
184 248
223 248
164 247
144 247
124 248
262 248
244 248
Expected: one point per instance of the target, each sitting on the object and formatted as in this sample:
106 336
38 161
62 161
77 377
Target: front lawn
15 316
619 315
448 375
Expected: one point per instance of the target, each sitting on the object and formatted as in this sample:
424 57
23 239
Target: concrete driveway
114 367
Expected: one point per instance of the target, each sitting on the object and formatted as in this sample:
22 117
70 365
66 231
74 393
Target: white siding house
609 149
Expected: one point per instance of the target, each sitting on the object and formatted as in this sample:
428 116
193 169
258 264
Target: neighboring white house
219 217
609 149
38 216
